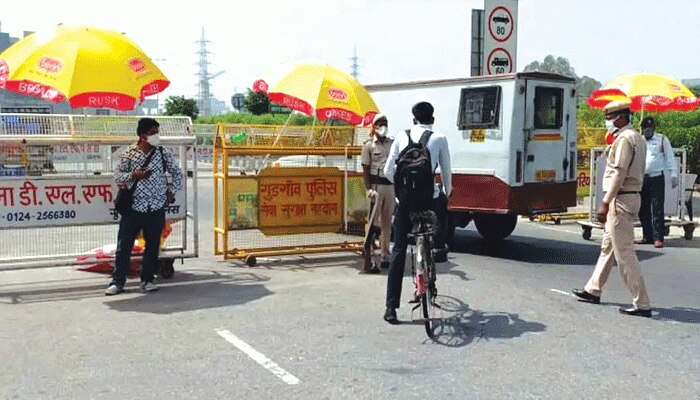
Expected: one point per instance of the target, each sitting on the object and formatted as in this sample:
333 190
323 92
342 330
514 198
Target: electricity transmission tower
204 77
354 66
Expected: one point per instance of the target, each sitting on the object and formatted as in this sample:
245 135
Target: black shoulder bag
125 197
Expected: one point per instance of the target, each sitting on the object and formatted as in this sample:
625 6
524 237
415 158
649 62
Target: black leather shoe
390 316
586 297
636 312
440 256
385 265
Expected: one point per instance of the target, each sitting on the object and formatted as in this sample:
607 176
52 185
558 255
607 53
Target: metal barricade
57 187
287 190
676 210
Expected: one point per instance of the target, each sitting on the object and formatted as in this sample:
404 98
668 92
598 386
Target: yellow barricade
281 190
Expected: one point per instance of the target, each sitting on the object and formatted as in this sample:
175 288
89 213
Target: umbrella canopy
646 92
90 67
320 90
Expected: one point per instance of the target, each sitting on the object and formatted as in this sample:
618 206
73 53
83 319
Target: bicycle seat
423 224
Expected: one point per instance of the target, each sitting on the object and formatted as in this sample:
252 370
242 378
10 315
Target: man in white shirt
659 159
439 156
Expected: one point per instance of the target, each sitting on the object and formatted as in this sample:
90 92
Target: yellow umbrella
646 92
90 67
320 90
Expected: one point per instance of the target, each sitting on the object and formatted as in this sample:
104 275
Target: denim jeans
402 227
131 223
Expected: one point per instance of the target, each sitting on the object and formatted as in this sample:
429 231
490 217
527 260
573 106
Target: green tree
256 102
695 90
585 85
179 105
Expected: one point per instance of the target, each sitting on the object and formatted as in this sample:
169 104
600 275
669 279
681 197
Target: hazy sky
396 40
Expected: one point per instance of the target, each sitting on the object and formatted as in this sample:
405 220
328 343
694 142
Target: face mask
648 133
153 140
381 131
610 124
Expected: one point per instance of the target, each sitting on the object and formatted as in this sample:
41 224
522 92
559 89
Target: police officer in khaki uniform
622 183
380 190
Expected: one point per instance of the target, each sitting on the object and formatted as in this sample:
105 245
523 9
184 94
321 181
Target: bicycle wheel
428 312
427 299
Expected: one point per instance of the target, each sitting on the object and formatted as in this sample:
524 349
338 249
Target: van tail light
518 166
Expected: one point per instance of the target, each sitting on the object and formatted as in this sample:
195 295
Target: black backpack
414 181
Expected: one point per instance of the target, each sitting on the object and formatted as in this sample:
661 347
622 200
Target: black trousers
651 212
131 223
402 227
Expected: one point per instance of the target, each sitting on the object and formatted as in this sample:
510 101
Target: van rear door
547 126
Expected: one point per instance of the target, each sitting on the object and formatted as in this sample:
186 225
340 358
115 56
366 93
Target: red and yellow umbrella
646 92
320 90
90 67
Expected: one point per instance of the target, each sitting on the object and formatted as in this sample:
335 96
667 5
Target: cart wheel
167 269
688 232
667 230
587 232
531 218
557 221
251 261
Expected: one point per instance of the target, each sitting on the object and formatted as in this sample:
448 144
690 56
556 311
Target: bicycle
423 266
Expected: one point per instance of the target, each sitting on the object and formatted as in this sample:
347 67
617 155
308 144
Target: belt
653 176
378 180
621 192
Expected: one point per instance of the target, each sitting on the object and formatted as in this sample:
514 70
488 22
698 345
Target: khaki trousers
385 210
618 245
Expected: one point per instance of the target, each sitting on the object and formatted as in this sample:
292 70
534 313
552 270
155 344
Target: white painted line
561 292
259 357
559 230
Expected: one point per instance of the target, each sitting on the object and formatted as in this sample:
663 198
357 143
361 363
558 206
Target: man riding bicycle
438 149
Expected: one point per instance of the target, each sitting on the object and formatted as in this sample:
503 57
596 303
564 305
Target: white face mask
610 124
381 131
153 140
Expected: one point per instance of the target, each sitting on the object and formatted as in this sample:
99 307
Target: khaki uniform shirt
626 162
375 155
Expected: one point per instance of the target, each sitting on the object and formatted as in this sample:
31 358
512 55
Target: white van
512 141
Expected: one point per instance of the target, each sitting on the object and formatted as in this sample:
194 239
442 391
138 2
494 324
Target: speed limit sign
500 38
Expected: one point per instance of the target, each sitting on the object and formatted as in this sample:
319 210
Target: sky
396 40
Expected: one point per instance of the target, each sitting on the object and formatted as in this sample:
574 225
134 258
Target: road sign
500 39
499 61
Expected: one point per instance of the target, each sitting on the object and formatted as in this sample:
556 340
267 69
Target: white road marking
559 230
259 357
561 292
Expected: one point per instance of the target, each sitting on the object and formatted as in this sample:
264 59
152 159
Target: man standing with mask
380 190
622 183
659 159
144 165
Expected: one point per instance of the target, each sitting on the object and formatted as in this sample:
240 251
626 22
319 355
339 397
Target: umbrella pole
274 142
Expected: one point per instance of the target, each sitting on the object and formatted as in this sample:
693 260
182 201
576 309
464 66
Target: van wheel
495 226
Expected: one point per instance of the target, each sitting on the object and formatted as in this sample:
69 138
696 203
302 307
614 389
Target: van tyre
495 226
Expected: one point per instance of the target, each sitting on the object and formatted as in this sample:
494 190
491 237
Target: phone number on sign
38 216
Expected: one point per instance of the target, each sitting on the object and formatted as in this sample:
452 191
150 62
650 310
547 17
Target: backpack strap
425 137
408 133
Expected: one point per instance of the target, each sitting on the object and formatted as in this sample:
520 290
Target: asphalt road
312 328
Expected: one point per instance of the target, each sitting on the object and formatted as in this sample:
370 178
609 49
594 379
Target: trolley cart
678 200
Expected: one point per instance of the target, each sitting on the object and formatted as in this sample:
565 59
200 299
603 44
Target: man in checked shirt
151 194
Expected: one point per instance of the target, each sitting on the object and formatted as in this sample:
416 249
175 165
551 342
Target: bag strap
162 159
408 133
425 137
144 165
